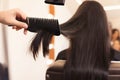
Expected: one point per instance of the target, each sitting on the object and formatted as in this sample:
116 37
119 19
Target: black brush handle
49 25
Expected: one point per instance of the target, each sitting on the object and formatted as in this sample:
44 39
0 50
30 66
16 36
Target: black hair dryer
55 2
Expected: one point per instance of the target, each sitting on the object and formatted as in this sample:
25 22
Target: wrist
1 16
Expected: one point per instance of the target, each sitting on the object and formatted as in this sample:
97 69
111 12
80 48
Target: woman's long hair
89 48
41 37
90 43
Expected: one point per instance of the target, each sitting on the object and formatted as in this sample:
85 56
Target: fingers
12 17
25 31
14 27
20 24
17 14
18 28
20 14
17 25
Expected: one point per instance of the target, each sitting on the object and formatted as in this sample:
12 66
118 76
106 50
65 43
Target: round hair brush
49 25
37 24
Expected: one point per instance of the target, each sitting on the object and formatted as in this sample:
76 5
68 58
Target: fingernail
24 33
25 26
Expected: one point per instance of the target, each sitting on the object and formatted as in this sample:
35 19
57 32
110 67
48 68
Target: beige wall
1 40
3 46
2 59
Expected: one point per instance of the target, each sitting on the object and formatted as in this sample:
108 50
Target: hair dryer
55 2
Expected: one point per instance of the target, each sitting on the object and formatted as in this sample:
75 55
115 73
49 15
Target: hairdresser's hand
10 17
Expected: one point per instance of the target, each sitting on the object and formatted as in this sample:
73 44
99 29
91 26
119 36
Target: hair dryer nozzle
55 2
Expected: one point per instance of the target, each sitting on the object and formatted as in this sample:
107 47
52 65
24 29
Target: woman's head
89 17
115 34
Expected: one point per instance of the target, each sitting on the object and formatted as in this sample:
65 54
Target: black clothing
62 55
115 55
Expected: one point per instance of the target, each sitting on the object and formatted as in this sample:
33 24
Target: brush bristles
49 25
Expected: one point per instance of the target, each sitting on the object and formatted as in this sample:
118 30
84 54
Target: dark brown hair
89 48
90 43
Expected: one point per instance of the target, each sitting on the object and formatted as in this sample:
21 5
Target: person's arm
10 17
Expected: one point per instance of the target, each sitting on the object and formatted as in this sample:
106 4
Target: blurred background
14 45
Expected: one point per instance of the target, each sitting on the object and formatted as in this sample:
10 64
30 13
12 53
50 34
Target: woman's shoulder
115 55
62 55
